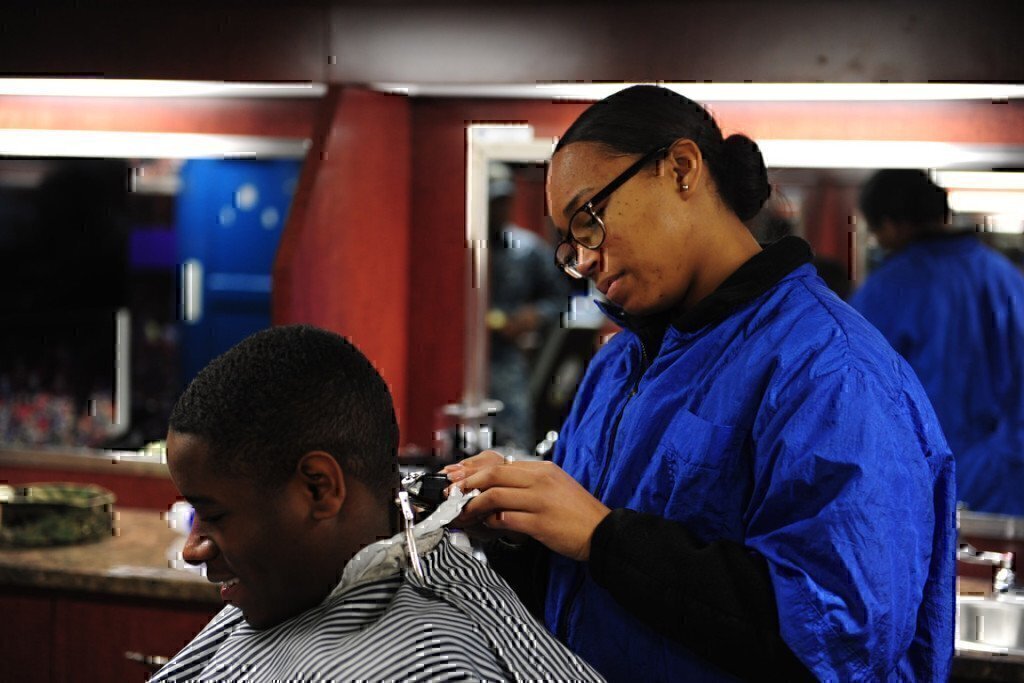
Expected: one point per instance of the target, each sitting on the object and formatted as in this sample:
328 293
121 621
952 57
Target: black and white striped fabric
461 622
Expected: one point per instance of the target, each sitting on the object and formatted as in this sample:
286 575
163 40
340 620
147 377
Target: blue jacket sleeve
852 496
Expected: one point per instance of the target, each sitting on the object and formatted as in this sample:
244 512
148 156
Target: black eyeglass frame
598 198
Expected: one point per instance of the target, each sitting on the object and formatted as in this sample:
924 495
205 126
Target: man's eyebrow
570 207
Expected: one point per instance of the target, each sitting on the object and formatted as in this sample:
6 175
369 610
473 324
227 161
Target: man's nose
198 548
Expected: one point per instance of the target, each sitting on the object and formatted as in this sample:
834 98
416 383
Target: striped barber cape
460 622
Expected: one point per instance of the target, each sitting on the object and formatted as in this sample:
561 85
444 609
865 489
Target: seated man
286 446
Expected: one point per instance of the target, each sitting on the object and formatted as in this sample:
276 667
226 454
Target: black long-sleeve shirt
715 599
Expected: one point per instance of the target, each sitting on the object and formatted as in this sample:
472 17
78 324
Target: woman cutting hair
751 482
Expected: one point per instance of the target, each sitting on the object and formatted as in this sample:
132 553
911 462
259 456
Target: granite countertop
133 562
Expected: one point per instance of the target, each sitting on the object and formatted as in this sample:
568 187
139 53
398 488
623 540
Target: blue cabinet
229 218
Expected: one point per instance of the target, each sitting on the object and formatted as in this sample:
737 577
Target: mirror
540 360
818 204
527 317
125 276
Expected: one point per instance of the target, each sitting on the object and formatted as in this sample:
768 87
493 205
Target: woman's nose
198 549
588 261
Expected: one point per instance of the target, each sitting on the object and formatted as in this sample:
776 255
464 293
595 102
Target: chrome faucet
1003 576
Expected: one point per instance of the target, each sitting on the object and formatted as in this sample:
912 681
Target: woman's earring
685 187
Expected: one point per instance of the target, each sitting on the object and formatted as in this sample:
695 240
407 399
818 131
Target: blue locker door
230 214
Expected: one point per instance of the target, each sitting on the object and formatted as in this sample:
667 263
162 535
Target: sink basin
988 625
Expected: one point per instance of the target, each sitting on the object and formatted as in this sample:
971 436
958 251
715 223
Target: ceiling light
109 87
980 180
122 145
887 154
980 201
727 92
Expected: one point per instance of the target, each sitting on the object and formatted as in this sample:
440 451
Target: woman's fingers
478 461
458 471
513 474
511 523
535 498
498 500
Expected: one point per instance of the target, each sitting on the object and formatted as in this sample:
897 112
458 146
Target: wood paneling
56 637
92 636
26 639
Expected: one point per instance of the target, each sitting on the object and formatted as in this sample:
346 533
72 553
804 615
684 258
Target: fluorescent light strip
980 201
887 154
728 92
122 145
978 180
104 87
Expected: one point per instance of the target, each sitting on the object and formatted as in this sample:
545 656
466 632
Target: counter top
133 562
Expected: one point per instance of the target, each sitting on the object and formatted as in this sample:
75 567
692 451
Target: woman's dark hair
644 117
286 391
903 195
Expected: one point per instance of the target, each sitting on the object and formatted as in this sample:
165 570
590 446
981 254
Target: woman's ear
323 482
686 165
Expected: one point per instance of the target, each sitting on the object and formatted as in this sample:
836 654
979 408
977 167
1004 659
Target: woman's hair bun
744 182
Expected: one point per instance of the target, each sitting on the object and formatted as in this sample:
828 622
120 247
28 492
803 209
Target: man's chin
261 620
258 621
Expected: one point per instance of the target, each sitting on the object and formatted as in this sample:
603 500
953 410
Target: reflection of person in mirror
527 296
954 308
750 482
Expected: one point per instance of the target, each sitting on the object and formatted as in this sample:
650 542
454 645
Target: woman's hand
528 497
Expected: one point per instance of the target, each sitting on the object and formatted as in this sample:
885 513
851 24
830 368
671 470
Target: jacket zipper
562 632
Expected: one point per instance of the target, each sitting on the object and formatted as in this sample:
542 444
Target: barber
750 483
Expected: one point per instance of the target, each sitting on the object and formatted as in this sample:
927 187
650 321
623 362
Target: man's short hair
905 196
286 391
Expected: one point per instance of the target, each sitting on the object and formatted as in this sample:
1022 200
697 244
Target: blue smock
788 425
955 310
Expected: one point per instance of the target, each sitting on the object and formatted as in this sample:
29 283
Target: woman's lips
612 289
605 285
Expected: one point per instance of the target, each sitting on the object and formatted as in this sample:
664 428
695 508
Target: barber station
449 341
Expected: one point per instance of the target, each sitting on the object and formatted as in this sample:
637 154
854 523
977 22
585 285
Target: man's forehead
186 450
188 462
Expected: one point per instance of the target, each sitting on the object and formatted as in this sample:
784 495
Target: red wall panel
132 490
290 118
343 263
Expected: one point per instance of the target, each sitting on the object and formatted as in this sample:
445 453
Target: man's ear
322 479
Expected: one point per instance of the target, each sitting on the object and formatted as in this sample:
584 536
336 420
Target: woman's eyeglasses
586 228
